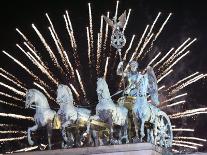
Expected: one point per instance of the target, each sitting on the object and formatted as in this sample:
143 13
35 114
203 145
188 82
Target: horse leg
155 130
77 137
142 129
150 136
31 129
49 134
95 136
112 140
135 120
64 133
125 132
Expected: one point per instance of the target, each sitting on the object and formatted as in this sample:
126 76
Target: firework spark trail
71 29
69 33
165 75
80 81
163 58
39 63
89 46
176 97
63 54
130 45
176 61
117 7
106 33
178 49
163 25
186 83
99 45
167 62
8 125
182 80
201 76
11 80
43 69
24 37
162 87
42 88
179 53
53 29
191 138
10 104
181 129
91 27
127 19
98 53
57 46
12 139
176 103
188 113
106 67
75 91
9 96
176 151
141 39
159 32
32 51
184 145
26 69
6 132
52 56
11 76
144 45
12 89
69 63
154 59
186 142
153 24
17 116
27 149
101 32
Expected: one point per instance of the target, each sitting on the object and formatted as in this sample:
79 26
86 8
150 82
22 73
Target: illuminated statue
140 85
44 115
69 114
110 113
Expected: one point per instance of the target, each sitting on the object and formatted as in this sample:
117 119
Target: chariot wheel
164 130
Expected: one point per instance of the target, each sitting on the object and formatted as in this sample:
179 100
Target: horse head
30 98
64 94
102 89
34 96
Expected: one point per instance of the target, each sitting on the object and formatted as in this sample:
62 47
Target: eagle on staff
118 39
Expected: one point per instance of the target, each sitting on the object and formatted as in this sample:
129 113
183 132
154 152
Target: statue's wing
152 88
122 20
108 21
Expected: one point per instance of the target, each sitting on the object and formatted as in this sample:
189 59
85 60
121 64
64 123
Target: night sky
189 20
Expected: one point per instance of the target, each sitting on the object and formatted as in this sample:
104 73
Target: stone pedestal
126 149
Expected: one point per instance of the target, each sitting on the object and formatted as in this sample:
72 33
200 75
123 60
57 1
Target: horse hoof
136 140
124 140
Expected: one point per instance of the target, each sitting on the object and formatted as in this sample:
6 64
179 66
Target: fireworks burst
67 62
